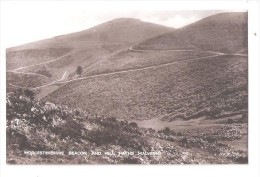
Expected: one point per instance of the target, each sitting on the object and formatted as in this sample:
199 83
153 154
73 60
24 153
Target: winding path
60 81
28 73
177 50
116 72
49 61
34 88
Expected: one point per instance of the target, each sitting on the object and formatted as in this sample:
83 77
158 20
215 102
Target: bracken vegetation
25 80
211 88
127 60
25 57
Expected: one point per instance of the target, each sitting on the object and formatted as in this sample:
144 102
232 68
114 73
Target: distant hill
64 53
224 32
110 36
121 30
169 85
153 83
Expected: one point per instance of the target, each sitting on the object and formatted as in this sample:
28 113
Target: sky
28 21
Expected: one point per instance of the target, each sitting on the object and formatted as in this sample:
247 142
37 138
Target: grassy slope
20 58
209 87
25 80
226 32
126 60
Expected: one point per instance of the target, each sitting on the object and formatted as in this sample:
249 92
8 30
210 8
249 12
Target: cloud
180 21
176 21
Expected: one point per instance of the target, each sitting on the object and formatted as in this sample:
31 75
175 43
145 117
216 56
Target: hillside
169 85
225 32
184 92
53 57
209 87
110 34
119 30
37 127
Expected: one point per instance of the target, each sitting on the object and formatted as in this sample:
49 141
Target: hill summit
224 32
120 30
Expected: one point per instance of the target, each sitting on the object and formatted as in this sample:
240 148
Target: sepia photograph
149 88
128 86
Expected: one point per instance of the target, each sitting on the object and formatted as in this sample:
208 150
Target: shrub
35 125
133 124
30 123
28 93
167 130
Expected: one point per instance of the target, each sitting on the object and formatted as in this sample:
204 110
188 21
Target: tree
79 70
167 130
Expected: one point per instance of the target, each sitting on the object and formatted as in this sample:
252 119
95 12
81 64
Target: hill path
60 81
28 73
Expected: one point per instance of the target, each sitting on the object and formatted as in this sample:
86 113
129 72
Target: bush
40 126
28 93
167 130
133 124
117 134
30 123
